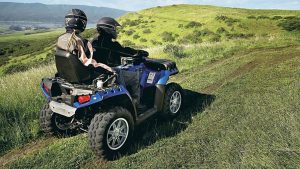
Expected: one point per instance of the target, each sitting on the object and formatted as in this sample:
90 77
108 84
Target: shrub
10 50
291 17
129 22
221 18
154 42
251 17
221 30
175 50
128 43
290 24
3 60
136 36
89 33
180 26
243 26
184 40
215 38
194 37
167 37
15 28
147 31
206 32
239 36
277 17
143 40
143 26
263 17
191 38
193 24
16 68
229 21
2 52
129 32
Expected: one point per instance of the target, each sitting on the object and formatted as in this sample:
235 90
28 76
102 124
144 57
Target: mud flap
62 109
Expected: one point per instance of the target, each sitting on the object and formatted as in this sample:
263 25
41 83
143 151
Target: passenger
109 52
71 41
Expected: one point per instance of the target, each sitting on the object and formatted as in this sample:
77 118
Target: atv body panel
154 76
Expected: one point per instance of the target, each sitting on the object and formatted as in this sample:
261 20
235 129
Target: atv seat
160 64
71 69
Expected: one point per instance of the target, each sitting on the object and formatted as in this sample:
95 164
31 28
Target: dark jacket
110 52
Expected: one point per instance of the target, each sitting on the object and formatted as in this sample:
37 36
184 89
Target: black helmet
108 25
76 19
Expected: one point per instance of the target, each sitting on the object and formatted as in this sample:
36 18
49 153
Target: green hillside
193 24
240 70
24 50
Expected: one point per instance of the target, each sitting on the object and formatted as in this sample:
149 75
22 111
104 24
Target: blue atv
81 99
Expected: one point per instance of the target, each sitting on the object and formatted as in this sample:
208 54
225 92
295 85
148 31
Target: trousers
131 80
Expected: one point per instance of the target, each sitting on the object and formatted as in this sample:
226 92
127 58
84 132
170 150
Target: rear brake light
84 99
46 88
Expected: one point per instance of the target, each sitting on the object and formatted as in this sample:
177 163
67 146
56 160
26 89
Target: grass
20 105
242 106
237 129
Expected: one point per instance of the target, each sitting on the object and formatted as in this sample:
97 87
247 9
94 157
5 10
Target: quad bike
78 99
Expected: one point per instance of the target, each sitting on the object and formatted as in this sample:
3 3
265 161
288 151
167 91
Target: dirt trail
235 57
265 60
27 149
238 72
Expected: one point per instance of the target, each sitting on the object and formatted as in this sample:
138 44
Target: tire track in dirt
27 149
213 65
238 72
276 59
236 56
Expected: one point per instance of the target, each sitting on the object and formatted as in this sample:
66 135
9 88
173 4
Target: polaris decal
151 77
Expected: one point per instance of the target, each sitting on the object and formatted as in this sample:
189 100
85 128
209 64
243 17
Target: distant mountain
37 12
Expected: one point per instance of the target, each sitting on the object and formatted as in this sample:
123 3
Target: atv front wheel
110 132
173 100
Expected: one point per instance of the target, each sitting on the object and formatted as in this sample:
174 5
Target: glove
143 53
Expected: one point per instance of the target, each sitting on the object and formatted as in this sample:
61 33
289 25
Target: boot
139 107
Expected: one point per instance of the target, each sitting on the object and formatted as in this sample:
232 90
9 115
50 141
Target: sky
135 5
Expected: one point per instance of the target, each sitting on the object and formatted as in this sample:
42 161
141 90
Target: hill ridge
51 13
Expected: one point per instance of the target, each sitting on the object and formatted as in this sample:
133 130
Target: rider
71 41
109 51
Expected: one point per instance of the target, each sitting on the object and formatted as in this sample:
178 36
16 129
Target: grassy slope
247 118
38 46
168 18
248 123
39 49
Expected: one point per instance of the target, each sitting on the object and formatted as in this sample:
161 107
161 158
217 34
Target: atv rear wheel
173 100
54 124
110 132
45 119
